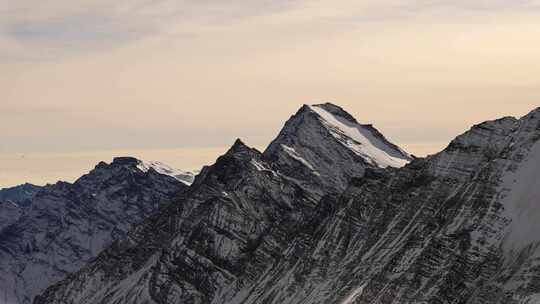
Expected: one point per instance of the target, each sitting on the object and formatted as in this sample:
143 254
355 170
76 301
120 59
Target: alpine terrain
331 212
48 232
241 218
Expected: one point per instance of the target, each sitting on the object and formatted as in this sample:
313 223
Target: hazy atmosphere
178 81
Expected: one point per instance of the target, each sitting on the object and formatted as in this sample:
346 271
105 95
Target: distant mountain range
50 231
330 212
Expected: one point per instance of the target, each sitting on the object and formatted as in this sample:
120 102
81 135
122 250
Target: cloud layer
60 26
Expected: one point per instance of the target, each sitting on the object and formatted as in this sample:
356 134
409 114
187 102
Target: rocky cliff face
460 226
63 226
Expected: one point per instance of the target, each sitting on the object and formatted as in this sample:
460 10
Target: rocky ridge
63 226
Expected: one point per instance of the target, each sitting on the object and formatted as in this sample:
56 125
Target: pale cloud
51 29
60 27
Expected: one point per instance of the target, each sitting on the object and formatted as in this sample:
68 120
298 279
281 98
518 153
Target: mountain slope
458 227
65 225
237 219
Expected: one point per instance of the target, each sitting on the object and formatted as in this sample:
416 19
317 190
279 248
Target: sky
179 81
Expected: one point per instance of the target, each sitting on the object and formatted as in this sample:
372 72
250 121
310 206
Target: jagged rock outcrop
63 226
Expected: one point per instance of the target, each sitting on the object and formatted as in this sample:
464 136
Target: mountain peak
125 161
363 139
183 176
239 143
319 138
87 216
238 146
334 110
134 164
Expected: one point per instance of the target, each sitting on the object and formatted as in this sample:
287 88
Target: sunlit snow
184 177
362 141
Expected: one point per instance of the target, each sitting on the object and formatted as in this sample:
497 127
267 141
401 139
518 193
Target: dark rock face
66 225
460 226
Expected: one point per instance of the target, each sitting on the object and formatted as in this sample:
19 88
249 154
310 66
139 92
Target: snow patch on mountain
182 176
261 167
292 153
362 141
258 165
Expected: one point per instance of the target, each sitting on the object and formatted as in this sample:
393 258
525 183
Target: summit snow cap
162 168
364 140
324 146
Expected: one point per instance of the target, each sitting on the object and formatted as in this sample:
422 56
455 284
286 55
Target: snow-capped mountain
324 146
63 226
457 227
324 216
237 219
